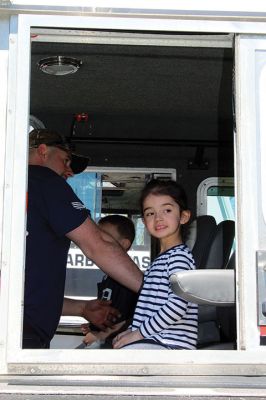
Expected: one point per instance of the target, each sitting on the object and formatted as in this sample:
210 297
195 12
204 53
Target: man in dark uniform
55 217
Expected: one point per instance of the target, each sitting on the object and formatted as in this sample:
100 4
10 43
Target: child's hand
85 328
91 337
126 337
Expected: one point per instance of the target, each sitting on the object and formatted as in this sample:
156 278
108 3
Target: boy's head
120 228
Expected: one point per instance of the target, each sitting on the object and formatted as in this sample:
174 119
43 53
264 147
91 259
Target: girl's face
162 218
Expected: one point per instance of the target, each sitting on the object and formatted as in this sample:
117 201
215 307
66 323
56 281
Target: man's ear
185 216
42 150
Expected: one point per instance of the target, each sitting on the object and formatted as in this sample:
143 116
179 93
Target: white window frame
250 179
202 192
13 358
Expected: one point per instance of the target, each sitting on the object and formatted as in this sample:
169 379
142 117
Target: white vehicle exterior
145 374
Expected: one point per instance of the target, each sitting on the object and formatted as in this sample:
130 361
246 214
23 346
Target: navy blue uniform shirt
53 211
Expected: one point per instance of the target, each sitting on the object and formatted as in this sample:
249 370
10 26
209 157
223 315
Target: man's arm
107 254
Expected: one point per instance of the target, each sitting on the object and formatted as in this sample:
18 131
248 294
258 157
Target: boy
123 231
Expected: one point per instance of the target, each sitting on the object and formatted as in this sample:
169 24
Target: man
55 216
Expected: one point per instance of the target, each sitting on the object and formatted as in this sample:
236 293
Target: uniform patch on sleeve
78 205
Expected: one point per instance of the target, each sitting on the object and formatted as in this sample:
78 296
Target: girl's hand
120 335
126 337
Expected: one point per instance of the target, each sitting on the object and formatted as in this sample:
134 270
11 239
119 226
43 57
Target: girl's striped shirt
160 314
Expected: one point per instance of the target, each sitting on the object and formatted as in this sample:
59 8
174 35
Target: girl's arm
171 312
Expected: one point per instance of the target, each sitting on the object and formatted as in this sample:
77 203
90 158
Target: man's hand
100 313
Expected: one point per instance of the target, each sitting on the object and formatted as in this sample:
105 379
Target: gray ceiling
169 88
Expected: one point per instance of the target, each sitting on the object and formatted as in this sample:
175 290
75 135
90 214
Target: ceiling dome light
59 65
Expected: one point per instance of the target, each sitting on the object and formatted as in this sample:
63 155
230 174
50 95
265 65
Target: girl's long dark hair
169 188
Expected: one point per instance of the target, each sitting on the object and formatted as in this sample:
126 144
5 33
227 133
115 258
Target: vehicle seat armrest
212 287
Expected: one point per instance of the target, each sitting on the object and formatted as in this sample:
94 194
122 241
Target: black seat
221 321
221 245
211 246
200 235
226 317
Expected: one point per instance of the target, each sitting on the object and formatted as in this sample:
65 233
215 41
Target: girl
162 320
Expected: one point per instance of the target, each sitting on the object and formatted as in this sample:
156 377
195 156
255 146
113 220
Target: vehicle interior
143 105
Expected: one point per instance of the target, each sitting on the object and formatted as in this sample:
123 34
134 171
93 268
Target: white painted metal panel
192 6
4 46
250 178
15 179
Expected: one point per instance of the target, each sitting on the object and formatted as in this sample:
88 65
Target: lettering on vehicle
76 259
142 262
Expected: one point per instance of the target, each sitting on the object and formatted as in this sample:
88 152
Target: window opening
221 203
216 197
87 186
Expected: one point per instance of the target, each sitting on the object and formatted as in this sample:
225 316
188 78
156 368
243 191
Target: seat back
221 246
200 235
211 244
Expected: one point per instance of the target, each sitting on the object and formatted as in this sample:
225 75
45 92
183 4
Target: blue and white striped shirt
160 314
